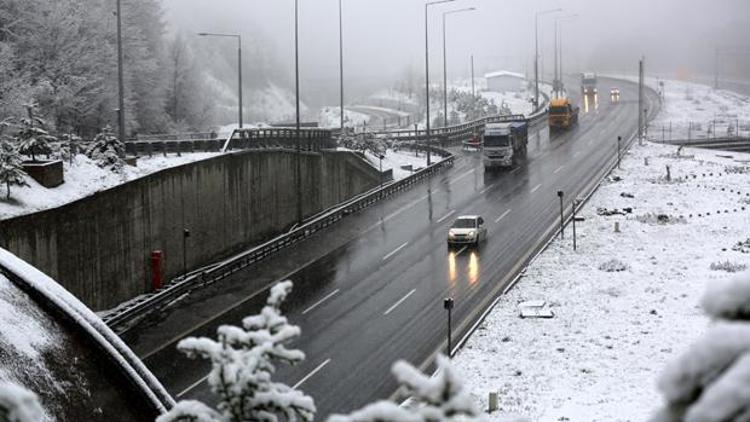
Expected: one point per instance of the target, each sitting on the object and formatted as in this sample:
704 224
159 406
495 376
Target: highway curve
369 290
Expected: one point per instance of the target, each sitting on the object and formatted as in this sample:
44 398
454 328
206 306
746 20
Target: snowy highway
369 290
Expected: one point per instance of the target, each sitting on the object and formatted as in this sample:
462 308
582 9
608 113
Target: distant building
504 81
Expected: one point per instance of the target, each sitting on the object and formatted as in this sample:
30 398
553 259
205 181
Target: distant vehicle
504 144
588 83
614 95
467 230
562 114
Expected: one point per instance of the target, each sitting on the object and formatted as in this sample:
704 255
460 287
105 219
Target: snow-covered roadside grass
396 159
330 117
84 178
614 331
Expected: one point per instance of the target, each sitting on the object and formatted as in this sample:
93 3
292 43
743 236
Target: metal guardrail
122 319
261 138
727 143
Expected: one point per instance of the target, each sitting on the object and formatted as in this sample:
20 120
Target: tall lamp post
445 63
341 64
558 52
296 100
427 67
536 52
120 77
239 65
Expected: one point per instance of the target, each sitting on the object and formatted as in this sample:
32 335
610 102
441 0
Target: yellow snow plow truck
562 114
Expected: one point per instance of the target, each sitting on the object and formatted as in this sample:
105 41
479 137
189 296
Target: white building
504 81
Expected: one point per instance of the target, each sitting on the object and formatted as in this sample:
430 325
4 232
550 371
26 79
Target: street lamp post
120 76
559 85
619 139
562 217
536 53
448 305
427 67
341 65
445 63
473 92
575 207
296 99
239 66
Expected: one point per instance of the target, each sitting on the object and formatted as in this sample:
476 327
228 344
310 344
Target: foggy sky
383 38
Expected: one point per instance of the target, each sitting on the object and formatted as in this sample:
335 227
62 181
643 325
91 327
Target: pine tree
11 170
32 138
107 151
436 399
243 360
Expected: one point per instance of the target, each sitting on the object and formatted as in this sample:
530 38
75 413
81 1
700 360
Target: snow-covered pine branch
438 398
711 381
243 361
18 404
32 138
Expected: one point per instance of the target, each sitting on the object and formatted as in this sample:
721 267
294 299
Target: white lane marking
536 188
468 172
315 305
515 170
397 212
399 302
441 219
558 169
460 251
193 385
313 372
395 251
486 189
575 154
497 220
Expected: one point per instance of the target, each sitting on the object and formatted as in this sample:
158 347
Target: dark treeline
62 56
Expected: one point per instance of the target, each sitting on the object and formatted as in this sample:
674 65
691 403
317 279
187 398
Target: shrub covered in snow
19 405
613 265
243 360
32 139
654 219
743 246
728 266
711 381
438 398
11 170
107 151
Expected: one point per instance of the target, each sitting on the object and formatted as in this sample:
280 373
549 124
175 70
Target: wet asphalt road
369 290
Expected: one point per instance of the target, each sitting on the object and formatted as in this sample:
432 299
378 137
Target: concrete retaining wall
99 247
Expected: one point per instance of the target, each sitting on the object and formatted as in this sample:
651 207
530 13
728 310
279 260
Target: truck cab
588 83
504 143
562 114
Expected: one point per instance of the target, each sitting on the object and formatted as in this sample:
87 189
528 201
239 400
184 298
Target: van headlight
472 234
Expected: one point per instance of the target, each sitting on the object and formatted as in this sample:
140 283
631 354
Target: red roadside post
156 270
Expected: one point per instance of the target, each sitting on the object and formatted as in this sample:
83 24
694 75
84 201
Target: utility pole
555 81
120 76
445 64
536 53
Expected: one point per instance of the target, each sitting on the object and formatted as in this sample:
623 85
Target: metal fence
694 130
278 138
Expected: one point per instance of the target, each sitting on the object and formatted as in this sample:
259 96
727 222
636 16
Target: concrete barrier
99 247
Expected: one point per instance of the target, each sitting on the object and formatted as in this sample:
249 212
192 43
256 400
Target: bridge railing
256 138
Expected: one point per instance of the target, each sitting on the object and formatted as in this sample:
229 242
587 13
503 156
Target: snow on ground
396 159
394 96
625 303
685 102
330 117
84 178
